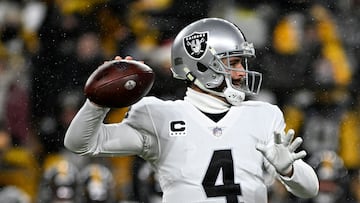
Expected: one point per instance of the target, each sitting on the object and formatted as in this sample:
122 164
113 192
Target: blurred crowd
308 52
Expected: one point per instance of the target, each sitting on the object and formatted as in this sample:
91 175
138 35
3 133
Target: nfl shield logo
217 132
196 44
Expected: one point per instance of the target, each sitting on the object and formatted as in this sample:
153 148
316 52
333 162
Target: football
119 83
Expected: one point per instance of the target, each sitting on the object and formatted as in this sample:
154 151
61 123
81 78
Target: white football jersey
200 160
196 159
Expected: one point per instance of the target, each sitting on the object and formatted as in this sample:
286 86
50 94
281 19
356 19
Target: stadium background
308 52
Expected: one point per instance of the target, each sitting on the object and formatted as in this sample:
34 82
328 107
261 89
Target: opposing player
212 146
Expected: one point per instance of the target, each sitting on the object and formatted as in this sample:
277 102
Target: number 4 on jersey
221 159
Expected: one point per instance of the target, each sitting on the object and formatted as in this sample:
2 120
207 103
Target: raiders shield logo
196 44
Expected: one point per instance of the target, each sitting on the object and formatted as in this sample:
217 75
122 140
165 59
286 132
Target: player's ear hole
201 67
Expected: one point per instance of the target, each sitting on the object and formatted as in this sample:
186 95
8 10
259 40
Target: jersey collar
205 102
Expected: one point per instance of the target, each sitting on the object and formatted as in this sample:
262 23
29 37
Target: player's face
236 63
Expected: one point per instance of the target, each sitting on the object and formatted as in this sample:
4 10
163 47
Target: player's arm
88 135
297 176
303 182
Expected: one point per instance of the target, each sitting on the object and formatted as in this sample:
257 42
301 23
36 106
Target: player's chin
238 82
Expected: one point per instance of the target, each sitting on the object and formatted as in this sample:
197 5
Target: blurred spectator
332 175
7 76
18 114
145 182
322 121
252 17
12 194
316 116
14 91
18 168
354 188
286 66
48 63
55 65
349 141
157 20
278 193
332 47
97 184
5 143
87 57
115 35
52 129
59 183
164 86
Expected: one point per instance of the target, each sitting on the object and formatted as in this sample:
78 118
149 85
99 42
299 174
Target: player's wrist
94 105
288 172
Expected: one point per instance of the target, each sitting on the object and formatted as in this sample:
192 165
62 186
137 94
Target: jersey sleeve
87 134
141 117
279 121
274 116
304 182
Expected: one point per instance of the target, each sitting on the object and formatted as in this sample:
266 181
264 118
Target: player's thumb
260 147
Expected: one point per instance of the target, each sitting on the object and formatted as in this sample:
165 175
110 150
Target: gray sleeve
88 135
304 182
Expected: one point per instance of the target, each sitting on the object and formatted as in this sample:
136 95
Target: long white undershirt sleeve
88 135
81 134
304 182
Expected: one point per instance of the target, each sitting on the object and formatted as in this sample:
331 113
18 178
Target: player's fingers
294 145
115 58
277 137
129 58
299 155
118 57
288 137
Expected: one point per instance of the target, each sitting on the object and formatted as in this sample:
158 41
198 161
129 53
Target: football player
212 146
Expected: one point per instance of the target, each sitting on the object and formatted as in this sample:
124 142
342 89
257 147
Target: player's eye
235 62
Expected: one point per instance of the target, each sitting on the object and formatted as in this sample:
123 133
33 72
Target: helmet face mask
250 83
198 55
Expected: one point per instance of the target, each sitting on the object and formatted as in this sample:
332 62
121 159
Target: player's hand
121 58
281 154
126 58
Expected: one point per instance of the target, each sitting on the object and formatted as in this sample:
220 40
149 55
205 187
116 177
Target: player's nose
240 71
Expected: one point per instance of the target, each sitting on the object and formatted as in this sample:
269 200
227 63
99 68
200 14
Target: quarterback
212 146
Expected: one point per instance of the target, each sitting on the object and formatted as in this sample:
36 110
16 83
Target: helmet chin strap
233 96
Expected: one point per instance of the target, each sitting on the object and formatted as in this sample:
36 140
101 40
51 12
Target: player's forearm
81 134
304 182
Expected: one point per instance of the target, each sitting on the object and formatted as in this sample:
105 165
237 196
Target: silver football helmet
197 53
